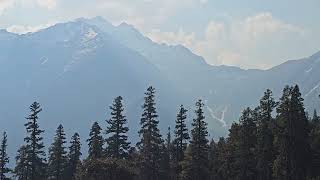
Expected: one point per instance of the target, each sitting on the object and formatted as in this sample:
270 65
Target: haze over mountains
75 69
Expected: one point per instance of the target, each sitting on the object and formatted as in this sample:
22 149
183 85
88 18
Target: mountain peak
99 22
128 27
98 18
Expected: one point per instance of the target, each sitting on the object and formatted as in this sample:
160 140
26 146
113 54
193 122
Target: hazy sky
245 33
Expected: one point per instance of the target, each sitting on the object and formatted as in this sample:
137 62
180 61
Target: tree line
275 141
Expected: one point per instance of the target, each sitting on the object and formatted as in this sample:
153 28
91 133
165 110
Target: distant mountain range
75 69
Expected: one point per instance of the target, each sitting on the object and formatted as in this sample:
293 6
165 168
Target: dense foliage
273 141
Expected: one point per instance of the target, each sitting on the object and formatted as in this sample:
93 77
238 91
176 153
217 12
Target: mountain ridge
75 69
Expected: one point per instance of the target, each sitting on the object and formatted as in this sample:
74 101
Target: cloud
203 1
49 4
249 43
5 4
146 14
20 29
173 38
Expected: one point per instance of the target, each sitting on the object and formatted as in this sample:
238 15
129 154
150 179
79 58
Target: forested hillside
275 140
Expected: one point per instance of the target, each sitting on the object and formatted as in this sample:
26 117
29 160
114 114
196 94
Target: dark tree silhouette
117 142
4 159
95 142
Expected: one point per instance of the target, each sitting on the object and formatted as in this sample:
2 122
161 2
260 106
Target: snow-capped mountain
75 69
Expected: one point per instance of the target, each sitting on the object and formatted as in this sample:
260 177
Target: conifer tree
150 143
315 145
181 137
166 158
22 168
95 142
292 136
181 134
315 118
34 145
265 150
74 156
58 156
245 150
196 166
228 154
213 159
217 158
117 142
188 166
4 159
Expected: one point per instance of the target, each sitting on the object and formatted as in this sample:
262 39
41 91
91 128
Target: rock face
75 70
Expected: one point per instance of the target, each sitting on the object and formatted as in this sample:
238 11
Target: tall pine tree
4 159
151 142
265 150
117 142
95 142
73 156
196 166
181 134
180 142
292 137
34 145
58 156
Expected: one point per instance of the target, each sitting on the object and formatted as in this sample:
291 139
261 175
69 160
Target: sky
244 33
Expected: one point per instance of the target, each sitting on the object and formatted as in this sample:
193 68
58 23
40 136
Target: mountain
227 90
75 69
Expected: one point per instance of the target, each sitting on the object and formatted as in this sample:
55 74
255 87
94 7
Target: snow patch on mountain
91 34
309 70
221 120
313 89
44 60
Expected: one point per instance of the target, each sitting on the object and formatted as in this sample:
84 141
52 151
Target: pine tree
245 149
213 159
34 145
265 151
73 156
188 166
22 168
58 156
166 158
117 130
180 142
4 159
291 139
196 167
315 118
95 142
181 134
315 145
228 153
151 142
217 158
